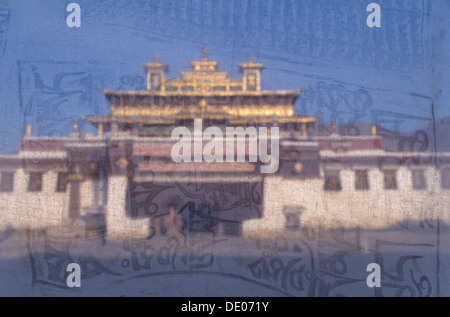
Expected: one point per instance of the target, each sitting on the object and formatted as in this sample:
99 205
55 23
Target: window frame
394 174
445 184
31 187
155 86
423 179
2 182
292 220
254 77
366 185
58 182
338 186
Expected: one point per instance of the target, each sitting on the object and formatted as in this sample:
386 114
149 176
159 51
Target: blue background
396 76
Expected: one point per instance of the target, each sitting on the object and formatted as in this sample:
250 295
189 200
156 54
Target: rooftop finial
250 58
29 129
205 52
156 58
374 130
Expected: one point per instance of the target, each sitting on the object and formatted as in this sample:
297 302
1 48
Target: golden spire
100 129
251 64
205 53
156 58
374 130
29 129
75 126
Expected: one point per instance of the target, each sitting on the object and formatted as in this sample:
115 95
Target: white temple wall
117 223
376 208
26 209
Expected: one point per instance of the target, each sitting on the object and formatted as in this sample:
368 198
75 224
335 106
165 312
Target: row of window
34 183
333 180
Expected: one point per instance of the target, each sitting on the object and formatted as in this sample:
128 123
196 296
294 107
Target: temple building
124 179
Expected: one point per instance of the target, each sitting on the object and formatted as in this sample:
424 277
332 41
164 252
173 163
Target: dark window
171 88
220 88
362 180
332 180
390 179
61 184
418 179
292 220
251 81
155 82
187 88
235 88
35 183
7 182
445 178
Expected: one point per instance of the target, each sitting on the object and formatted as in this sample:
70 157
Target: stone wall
302 202
376 208
26 209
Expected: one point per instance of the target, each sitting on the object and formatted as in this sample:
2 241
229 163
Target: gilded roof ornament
250 64
156 65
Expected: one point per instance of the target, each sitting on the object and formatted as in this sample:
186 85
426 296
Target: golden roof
215 96
201 92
